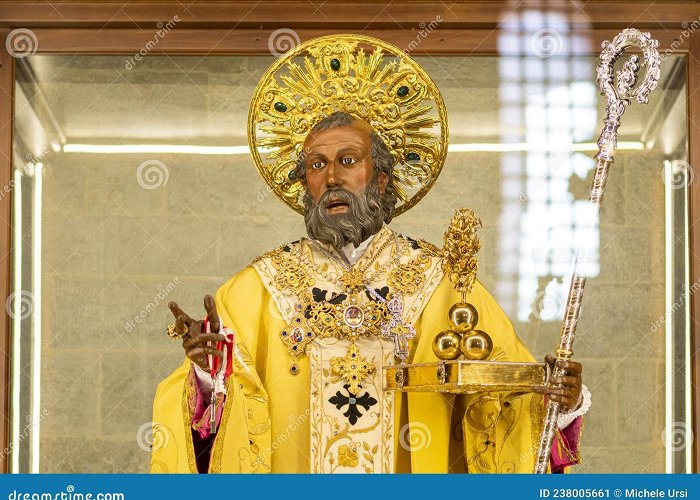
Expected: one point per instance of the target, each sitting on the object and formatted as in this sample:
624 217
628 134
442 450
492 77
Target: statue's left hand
564 389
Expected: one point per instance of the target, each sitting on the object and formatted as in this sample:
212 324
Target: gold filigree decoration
353 279
347 455
429 248
353 368
290 275
328 320
408 278
461 245
360 75
492 417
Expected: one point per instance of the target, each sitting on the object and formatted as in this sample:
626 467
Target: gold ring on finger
174 333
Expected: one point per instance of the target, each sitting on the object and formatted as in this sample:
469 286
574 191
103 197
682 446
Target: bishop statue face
340 157
346 194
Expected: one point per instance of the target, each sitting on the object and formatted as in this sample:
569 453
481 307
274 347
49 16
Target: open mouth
335 204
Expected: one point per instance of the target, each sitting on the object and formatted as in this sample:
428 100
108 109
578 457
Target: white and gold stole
324 306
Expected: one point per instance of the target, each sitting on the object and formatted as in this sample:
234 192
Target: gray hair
381 156
363 219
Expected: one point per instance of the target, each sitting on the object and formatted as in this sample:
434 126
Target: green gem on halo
413 156
402 91
281 107
335 64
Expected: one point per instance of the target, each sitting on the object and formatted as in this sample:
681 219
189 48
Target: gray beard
365 216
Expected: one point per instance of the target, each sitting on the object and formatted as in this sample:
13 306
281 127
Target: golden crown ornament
460 265
360 75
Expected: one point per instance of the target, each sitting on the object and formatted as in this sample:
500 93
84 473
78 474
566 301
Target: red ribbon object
215 361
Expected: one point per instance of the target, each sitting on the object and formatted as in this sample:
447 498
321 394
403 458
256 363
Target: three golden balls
476 345
446 345
462 317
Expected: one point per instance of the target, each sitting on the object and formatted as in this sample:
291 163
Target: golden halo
396 97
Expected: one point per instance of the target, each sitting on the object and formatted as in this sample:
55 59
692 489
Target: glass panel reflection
134 187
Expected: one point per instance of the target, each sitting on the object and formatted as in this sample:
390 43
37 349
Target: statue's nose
331 179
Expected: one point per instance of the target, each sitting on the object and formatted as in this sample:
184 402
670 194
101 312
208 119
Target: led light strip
668 323
16 316
688 349
477 147
36 317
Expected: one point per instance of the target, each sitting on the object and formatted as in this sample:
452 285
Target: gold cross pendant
353 368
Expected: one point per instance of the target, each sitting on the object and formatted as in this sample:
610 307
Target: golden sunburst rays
382 86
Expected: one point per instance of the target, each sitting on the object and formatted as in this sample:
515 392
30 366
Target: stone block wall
114 251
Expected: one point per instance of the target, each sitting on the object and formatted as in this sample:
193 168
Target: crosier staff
619 93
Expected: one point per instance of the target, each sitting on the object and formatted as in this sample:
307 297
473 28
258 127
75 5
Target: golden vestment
270 421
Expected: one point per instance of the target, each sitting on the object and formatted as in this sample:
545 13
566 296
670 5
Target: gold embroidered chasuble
305 395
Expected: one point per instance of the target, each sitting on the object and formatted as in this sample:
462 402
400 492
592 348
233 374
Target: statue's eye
317 165
347 160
